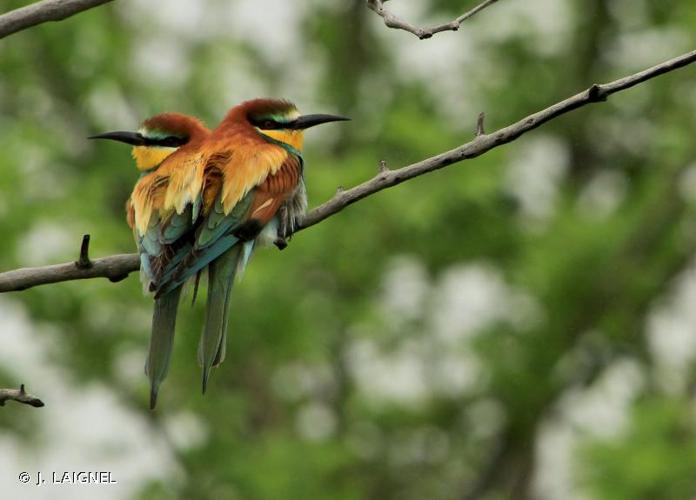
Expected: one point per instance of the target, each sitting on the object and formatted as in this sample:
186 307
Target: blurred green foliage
575 233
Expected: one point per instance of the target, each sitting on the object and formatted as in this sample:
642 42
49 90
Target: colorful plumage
161 214
210 202
253 168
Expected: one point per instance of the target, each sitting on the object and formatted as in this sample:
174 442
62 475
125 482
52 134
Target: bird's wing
237 202
163 208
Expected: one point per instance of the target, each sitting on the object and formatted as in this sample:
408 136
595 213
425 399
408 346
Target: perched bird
161 211
253 185
204 201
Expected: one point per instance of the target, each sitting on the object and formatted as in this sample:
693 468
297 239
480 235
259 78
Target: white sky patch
109 108
186 430
599 411
450 64
603 193
184 18
454 373
405 288
46 243
129 365
442 64
609 136
410 373
416 59
554 447
233 82
162 60
640 49
602 409
376 95
389 377
36 162
276 32
672 333
300 86
546 24
84 428
438 320
315 421
470 297
165 58
687 184
535 174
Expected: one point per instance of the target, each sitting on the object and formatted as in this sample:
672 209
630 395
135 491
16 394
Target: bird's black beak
307 121
133 138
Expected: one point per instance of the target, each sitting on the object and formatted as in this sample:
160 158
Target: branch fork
393 21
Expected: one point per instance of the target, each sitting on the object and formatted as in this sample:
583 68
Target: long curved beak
133 138
307 121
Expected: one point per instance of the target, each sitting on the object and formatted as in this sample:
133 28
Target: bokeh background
522 325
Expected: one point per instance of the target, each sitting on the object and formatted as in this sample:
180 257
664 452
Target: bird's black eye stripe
167 142
266 123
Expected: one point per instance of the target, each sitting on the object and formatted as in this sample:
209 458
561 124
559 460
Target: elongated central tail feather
161 341
221 273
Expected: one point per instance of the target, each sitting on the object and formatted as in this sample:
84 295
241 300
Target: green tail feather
161 341
221 273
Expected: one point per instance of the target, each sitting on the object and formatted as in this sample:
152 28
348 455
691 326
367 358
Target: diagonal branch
21 396
41 12
117 267
485 142
393 21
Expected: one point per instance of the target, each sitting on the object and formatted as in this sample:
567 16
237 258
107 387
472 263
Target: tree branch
393 21
117 267
485 142
21 396
41 12
114 267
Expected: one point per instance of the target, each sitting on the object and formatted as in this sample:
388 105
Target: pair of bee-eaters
205 199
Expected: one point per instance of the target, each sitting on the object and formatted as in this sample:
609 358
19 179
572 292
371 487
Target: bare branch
485 142
21 396
117 267
393 21
41 12
114 267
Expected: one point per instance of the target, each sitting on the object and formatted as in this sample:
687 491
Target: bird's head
279 120
158 137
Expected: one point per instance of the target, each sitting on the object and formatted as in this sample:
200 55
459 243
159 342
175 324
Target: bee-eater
253 184
161 211
205 200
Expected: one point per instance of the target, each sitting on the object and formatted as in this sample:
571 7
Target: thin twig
393 21
118 266
41 12
21 396
83 261
480 129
